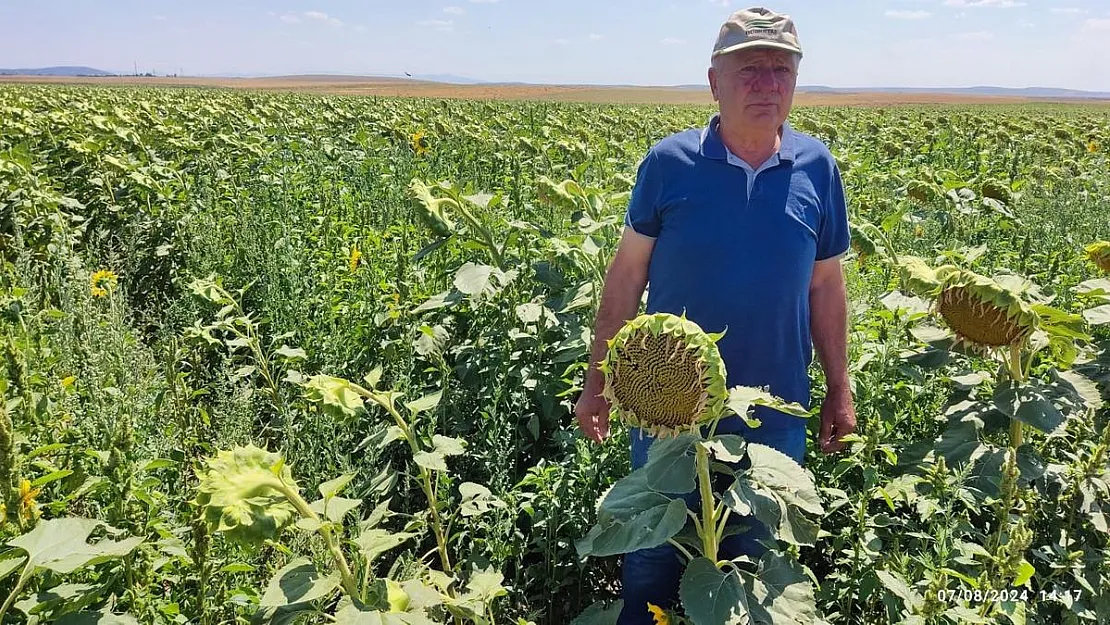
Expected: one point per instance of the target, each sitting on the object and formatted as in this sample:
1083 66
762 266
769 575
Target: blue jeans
652 575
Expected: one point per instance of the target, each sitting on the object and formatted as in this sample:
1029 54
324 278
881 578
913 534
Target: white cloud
290 18
444 26
453 10
908 15
976 36
322 17
673 41
595 37
1067 10
987 4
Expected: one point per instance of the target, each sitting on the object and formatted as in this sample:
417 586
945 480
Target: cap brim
748 45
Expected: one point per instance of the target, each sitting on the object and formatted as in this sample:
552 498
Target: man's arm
828 303
620 301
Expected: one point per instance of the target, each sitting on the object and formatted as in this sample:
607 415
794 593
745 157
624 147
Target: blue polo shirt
734 250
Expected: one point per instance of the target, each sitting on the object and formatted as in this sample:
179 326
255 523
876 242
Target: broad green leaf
373 377
896 584
1025 573
1084 388
961 614
96 618
420 595
427 402
711 596
332 488
351 615
477 500
600 613
728 448
298 582
631 517
486 585
10 565
334 508
431 460
780 593
473 279
1039 413
289 353
1014 610
392 433
375 541
779 473
670 465
742 398
440 300
74 596
449 446
336 394
59 545
1098 316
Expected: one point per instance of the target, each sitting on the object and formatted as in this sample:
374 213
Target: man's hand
592 411
838 418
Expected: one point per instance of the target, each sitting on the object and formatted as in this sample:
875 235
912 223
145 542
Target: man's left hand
838 418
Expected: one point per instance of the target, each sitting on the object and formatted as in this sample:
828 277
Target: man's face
755 87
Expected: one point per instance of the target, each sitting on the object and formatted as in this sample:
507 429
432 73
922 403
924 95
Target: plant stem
349 583
709 518
23 577
425 476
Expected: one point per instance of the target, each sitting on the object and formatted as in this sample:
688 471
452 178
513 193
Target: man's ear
713 82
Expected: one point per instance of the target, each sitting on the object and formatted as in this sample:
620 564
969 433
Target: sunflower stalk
305 510
708 530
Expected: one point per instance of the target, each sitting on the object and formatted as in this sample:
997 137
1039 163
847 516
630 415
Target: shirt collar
713 147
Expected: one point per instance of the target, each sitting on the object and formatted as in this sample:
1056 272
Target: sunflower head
102 282
1092 147
983 313
420 142
354 258
1099 253
659 615
664 374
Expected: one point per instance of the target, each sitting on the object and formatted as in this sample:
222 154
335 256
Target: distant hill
56 71
1024 92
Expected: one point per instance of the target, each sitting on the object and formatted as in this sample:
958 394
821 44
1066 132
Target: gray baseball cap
757 27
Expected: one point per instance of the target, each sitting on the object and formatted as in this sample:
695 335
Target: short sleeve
643 207
833 238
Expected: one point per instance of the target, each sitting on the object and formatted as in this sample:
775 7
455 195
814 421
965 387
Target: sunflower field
284 358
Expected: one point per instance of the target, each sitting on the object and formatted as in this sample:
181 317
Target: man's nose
765 79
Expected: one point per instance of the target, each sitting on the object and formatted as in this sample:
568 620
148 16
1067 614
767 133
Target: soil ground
392 87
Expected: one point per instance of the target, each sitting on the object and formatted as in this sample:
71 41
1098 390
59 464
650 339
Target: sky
860 43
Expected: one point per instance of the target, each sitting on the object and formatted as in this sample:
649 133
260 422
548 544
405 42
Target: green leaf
298 582
712 597
96 618
1024 574
476 500
374 542
373 377
1028 404
486 585
728 448
631 517
473 279
289 353
73 596
779 473
896 584
53 476
431 460
10 565
1014 610
336 394
60 545
670 465
600 613
350 615
742 398
449 446
392 433
332 488
427 402
780 593
334 508
1098 316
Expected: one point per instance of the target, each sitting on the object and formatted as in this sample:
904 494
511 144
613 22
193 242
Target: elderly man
741 226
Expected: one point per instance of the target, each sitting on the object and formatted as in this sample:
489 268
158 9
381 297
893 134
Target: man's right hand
592 411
